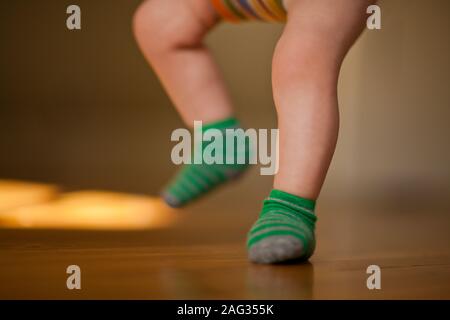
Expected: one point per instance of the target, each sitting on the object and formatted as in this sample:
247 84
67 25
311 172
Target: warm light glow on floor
14 194
89 210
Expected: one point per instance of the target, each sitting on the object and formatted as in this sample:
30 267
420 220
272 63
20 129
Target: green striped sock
284 230
195 180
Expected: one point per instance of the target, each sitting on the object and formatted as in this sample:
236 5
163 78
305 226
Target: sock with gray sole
195 180
284 230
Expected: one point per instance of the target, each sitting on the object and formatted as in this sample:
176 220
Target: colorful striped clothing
247 10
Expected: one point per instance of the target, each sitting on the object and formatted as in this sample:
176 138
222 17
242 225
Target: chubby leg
170 34
306 67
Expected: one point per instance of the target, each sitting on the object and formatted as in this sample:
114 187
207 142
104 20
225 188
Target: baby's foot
195 180
284 230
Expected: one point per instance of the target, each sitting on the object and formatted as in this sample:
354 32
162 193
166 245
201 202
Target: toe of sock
171 201
276 249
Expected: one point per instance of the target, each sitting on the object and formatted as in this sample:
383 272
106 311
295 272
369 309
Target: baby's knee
143 19
166 24
148 23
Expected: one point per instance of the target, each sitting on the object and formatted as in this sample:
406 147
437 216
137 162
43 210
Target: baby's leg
170 34
305 72
306 67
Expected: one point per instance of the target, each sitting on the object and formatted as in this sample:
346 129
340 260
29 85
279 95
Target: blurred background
82 109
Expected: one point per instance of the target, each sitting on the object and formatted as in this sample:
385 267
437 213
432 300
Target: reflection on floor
202 256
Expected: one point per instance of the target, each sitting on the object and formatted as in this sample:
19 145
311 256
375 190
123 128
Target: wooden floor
203 257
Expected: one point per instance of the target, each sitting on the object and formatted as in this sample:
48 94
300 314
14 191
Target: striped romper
245 10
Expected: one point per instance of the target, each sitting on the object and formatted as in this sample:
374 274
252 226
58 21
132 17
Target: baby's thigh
202 10
175 19
334 23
